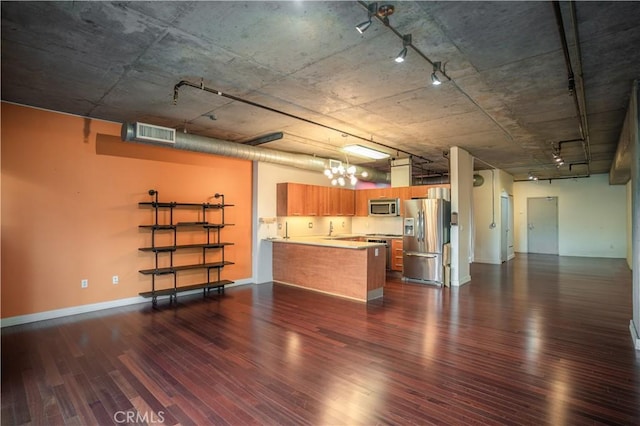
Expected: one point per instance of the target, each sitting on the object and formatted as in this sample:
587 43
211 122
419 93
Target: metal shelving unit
211 237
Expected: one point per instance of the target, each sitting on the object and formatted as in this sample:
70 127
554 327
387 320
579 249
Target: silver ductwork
189 142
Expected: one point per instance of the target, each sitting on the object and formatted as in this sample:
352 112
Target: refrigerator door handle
431 256
421 221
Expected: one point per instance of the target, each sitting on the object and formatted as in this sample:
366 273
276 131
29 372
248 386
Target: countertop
338 241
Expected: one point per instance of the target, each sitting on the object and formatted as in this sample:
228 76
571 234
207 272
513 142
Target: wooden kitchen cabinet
362 202
296 199
311 200
402 193
396 254
346 202
324 201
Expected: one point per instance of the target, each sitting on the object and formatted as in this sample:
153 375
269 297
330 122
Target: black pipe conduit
555 178
201 86
576 37
571 78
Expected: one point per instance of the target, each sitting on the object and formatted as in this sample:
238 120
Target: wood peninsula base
352 273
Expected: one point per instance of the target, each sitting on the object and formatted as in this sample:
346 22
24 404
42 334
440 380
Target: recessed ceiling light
363 151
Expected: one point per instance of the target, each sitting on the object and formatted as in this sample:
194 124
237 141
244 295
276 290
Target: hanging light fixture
371 10
434 78
406 41
339 175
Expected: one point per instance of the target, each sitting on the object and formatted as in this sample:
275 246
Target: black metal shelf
172 204
167 251
185 246
172 291
174 269
186 225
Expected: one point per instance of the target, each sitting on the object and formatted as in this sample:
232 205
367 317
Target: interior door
504 229
510 249
542 218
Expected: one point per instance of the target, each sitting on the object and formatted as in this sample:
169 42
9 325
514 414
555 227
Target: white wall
592 214
266 176
487 210
629 225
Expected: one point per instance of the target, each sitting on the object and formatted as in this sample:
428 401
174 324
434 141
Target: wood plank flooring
539 340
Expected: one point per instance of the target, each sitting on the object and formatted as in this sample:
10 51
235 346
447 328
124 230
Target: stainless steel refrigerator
426 229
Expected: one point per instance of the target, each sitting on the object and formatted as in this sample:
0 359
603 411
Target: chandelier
339 174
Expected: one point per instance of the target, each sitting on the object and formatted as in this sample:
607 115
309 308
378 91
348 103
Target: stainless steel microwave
384 207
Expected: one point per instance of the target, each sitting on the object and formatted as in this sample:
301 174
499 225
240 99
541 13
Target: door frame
557 218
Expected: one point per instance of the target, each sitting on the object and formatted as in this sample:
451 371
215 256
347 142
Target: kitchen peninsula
351 269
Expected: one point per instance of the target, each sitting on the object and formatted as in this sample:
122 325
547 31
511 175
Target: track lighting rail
437 66
583 127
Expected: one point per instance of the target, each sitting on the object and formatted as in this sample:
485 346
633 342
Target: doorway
542 226
506 225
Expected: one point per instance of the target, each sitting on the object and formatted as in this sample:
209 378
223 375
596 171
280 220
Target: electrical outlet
310 225
376 251
84 283
115 279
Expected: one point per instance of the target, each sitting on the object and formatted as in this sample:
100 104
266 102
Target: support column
635 210
461 174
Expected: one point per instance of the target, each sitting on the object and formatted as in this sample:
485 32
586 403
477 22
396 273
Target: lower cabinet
396 254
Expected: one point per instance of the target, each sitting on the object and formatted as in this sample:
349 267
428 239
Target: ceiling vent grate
149 132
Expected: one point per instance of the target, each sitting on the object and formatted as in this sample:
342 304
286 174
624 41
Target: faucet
330 227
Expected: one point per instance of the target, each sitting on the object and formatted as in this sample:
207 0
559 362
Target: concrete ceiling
507 102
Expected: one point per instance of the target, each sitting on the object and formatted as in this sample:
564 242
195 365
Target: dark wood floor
540 340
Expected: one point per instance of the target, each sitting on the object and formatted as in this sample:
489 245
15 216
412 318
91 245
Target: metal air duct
189 142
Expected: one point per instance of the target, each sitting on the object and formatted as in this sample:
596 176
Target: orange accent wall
69 208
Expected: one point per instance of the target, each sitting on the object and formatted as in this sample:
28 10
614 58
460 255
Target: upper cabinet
403 193
295 199
347 202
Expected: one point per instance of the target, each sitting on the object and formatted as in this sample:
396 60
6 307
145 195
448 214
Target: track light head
372 9
401 55
362 27
434 77
406 41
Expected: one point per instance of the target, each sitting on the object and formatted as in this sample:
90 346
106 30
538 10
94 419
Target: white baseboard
489 261
461 281
634 335
92 307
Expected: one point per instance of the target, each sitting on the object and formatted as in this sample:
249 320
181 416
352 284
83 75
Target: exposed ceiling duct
154 135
